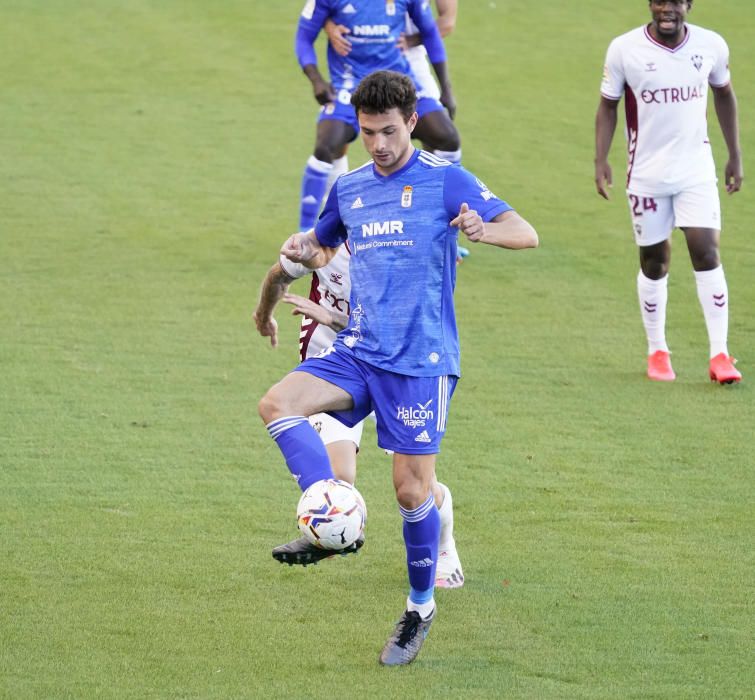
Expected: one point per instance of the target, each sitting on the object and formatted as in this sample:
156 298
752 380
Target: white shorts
654 218
332 430
417 57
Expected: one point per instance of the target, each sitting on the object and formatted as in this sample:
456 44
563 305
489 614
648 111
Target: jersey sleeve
294 270
612 85
421 14
461 186
720 75
329 228
311 21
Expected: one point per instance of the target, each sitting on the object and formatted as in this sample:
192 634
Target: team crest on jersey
697 61
390 8
406 197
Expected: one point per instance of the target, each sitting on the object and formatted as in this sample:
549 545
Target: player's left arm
506 230
725 102
482 216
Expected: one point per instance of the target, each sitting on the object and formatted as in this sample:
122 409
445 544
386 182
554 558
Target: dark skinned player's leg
713 293
332 137
652 289
437 131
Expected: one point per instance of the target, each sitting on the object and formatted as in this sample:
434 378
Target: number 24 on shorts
642 204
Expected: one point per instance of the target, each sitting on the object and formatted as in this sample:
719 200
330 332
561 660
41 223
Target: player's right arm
605 126
311 21
612 88
274 287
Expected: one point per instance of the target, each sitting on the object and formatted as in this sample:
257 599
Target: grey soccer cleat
301 551
406 641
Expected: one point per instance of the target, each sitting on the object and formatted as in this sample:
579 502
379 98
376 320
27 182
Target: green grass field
150 161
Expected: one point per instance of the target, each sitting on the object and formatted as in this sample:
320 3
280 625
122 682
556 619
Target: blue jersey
403 260
374 30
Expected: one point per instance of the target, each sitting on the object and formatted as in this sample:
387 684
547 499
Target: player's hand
603 179
267 328
448 100
324 92
297 248
337 37
307 307
408 41
733 175
470 223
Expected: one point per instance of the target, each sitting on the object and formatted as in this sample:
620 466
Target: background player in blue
399 355
375 28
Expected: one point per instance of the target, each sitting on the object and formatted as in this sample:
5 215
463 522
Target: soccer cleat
448 573
659 367
406 641
301 551
722 369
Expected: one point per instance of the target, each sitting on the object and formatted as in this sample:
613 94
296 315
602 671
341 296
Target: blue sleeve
461 186
422 15
311 21
329 228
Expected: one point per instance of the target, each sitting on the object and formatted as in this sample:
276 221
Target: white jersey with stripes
330 288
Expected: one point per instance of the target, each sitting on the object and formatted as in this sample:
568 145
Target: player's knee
411 494
325 152
270 406
445 140
705 260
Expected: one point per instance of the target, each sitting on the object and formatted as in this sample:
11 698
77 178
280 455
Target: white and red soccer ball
331 514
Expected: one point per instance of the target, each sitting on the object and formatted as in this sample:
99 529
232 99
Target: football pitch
150 163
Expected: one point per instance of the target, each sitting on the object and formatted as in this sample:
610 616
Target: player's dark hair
382 91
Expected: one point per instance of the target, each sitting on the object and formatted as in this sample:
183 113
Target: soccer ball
331 514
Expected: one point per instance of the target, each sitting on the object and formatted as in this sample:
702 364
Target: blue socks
303 450
421 533
313 187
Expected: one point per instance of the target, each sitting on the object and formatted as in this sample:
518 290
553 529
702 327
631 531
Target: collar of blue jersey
401 171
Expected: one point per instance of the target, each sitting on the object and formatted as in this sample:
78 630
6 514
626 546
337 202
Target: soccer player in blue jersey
375 29
399 354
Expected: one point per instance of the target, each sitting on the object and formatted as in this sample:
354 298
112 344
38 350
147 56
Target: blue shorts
342 110
411 412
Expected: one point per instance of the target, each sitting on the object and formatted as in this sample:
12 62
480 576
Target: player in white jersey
324 314
663 70
415 51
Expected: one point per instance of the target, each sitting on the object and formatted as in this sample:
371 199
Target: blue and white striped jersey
403 262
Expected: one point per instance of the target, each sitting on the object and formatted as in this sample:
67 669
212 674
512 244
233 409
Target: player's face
388 139
668 19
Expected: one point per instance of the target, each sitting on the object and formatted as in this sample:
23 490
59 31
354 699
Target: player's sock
453 156
446 514
653 296
302 448
421 531
713 294
340 166
313 186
